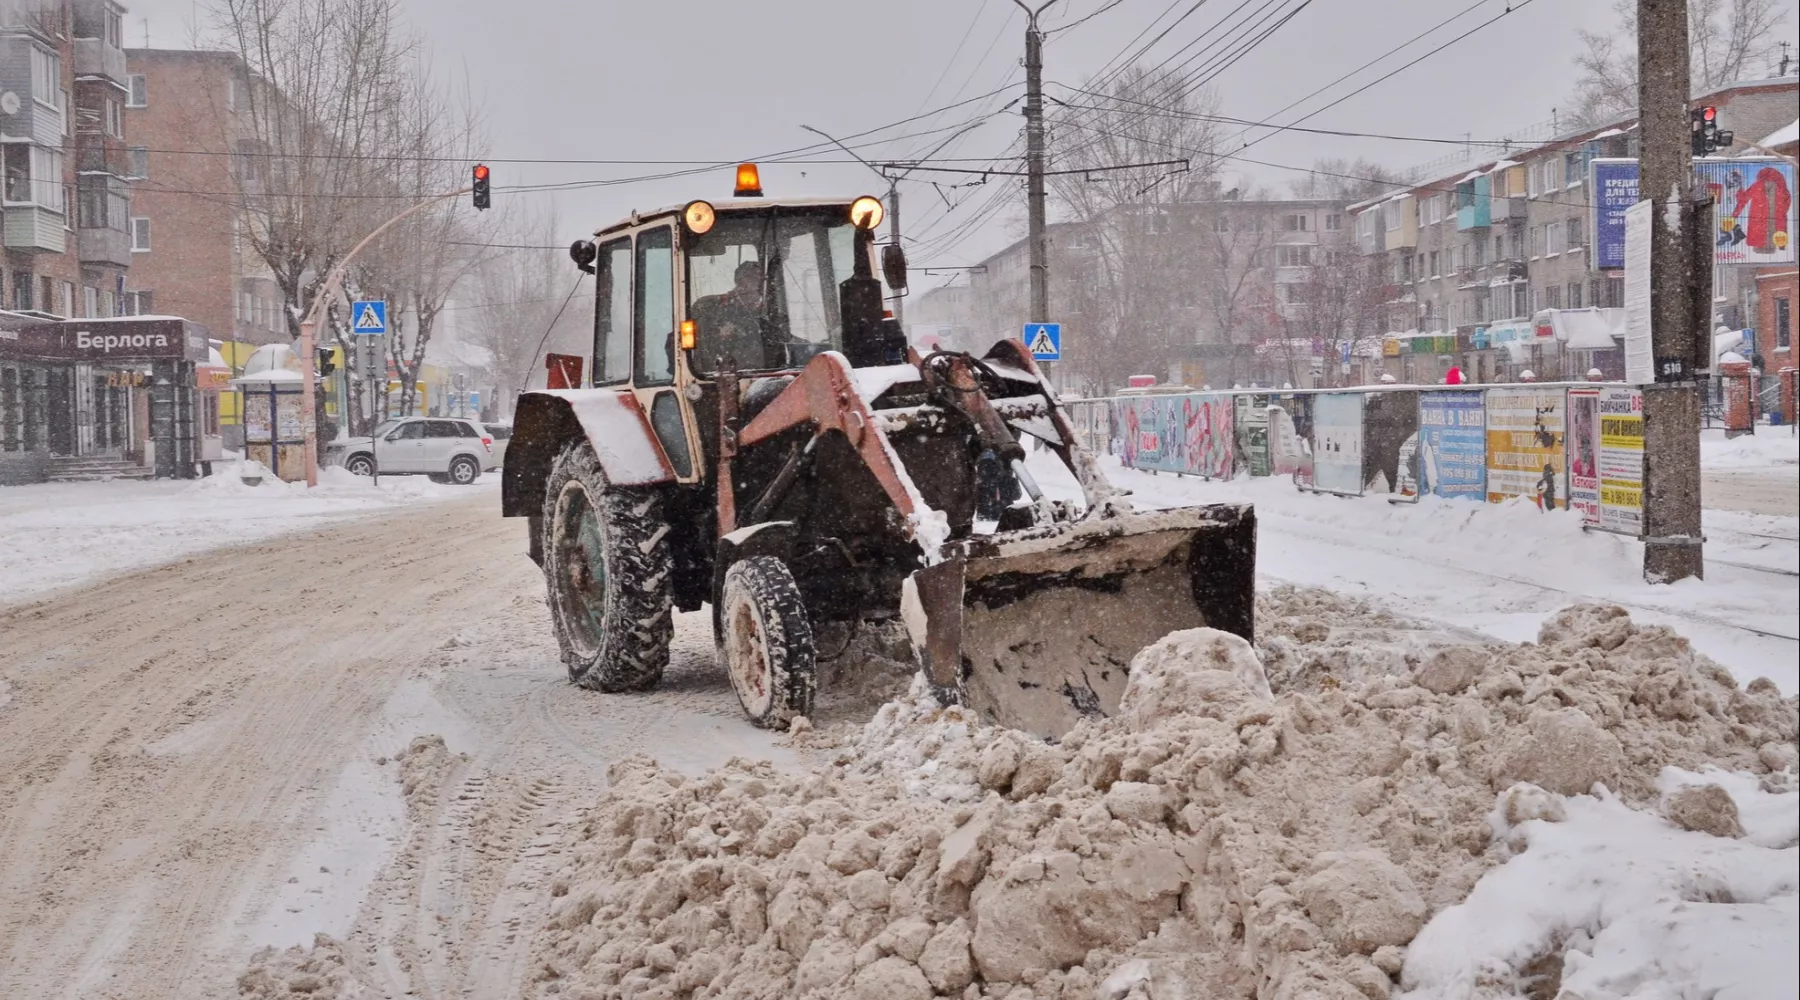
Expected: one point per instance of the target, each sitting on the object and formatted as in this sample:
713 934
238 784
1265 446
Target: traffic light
1704 126
325 363
480 186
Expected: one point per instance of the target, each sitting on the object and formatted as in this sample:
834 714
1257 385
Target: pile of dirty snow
1345 814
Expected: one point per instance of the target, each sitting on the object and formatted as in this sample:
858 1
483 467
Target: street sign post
368 318
1044 340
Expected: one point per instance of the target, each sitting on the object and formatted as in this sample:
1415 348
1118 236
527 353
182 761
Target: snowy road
199 759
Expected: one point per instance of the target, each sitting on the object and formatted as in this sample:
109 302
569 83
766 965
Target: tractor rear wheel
608 568
766 641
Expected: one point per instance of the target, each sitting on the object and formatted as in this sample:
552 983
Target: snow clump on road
1336 824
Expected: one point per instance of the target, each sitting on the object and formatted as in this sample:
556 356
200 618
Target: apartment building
65 208
189 127
1498 258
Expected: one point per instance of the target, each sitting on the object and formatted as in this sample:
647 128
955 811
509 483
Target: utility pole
894 237
1680 297
1034 163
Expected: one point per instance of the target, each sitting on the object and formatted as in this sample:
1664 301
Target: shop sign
119 340
124 380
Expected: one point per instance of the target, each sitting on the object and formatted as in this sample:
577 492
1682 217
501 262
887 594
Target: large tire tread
639 618
787 639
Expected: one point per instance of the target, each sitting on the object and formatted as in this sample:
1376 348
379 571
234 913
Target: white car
501 433
448 449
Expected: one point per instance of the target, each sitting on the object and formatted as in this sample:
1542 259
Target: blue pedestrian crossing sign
368 318
1045 341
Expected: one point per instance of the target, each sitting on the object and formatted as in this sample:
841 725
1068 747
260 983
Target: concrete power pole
894 236
1680 297
1034 163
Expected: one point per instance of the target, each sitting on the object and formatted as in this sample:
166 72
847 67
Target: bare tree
1232 275
322 79
1728 40
530 301
1340 302
1346 180
1132 282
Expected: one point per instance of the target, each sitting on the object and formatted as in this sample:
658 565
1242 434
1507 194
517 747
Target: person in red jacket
1454 376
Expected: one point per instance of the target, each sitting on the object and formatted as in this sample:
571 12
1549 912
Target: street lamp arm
336 277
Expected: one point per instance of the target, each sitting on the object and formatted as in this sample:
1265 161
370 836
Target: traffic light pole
309 325
1034 163
1680 297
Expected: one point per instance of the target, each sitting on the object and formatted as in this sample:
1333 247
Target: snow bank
1317 804
1769 447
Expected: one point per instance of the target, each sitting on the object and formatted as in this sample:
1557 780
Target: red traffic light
481 171
1709 113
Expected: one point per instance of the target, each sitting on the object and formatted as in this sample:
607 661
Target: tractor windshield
763 286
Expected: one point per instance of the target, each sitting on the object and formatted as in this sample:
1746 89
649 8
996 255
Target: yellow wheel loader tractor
752 432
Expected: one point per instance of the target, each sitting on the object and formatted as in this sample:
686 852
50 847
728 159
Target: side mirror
584 253
893 266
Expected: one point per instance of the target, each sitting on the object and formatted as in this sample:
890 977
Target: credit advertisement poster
1584 454
1338 442
1525 436
1391 443
1290 438
1621 458
1615 187
1453 445
1252 423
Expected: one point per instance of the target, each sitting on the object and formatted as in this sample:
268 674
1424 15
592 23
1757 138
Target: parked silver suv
448 449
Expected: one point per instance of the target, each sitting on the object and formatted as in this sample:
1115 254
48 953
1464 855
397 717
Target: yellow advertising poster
1525 446
1622 459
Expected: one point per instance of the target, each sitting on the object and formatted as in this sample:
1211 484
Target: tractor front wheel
608 568
766 642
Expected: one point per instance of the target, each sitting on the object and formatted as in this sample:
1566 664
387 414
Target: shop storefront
126 391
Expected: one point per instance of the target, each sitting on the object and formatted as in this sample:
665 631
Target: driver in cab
731 323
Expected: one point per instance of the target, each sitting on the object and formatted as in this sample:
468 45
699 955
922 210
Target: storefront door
62 411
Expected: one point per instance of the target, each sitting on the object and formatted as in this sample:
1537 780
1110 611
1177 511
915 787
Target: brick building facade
188 132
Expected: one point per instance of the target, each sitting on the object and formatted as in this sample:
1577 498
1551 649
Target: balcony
33 228
93 57
105 247
1507 209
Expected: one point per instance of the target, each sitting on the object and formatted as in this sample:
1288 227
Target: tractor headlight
699 217
866 212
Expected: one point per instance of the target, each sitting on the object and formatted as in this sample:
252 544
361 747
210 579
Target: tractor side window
655 307
612 313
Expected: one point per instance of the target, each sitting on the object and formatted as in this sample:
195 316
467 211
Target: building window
137 163
1553 297
90 301
1574 234
115 119
140 91
1574 295
1521 299
1334 223
139 303
34 176
140 234
1784 323
46 77
1293 256
24 283
231 93
1294 223
1553 240
1573 167
246 161
1434 264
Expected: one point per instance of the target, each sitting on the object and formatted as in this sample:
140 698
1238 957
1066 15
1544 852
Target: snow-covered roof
1782 136
1502 165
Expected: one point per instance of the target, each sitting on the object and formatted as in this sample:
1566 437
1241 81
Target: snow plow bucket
1036 629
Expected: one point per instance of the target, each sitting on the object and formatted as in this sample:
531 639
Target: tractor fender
546 420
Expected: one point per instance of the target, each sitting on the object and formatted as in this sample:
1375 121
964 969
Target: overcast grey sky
711 79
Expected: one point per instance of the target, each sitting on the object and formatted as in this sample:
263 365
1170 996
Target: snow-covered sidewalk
1501 569
56 535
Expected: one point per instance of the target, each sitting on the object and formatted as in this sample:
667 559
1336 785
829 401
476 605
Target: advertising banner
1584 454
1621 459
1640 366
1188 434
1525 437
1615 187
1753 204
1290 438
1252 423
1338 442
1391 443
1753 200
1453 444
